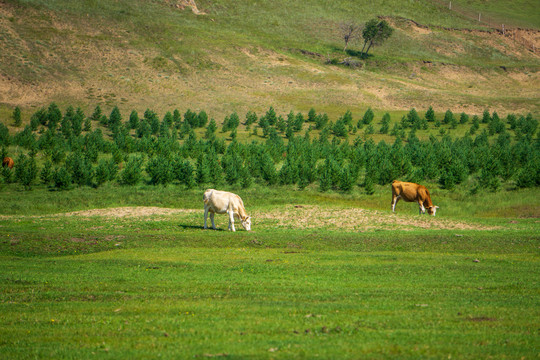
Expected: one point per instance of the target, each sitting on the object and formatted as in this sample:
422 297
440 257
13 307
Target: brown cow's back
408 191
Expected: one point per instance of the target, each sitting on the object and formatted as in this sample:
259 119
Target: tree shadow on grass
358 54
353 53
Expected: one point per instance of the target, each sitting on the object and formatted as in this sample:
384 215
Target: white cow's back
221 201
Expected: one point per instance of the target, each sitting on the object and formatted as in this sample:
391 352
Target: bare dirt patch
311 217
121 212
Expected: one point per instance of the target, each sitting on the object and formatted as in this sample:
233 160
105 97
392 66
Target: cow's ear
436 207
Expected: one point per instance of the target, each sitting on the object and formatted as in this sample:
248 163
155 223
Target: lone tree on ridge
375 33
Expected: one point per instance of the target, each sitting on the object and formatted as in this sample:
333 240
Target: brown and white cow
412 192
221 202
8 162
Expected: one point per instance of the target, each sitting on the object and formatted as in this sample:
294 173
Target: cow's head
432 210
246 223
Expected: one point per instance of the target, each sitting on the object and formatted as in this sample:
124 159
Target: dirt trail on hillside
288 216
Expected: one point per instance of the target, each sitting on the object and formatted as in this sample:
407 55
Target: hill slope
243 56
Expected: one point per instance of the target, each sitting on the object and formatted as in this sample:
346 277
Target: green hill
248 55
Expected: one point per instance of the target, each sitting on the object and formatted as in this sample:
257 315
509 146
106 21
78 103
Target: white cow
222 202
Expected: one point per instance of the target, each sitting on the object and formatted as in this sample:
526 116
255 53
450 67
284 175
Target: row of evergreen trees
149 149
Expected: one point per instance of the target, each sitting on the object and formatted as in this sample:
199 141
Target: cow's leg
212 220
422 208
205 216
395 199
231 221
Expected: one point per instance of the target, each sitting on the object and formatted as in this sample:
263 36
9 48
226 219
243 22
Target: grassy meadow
90 268
129 272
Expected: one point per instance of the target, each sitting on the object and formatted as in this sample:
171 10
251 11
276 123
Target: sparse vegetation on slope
244 56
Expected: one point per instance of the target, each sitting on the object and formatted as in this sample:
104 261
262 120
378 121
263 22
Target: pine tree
54 116
489 175
210 133
486 118
153 120
281 124
312 115
101 173
245 177
448 117
529 175
385 124
369 185
203 170
251 118
133 120
325 179
66 126
263 123
62 179
132 172
270 116
298 122
346 181
191 118
368 117
453 123
159 169
268 170
369 130
46 173
203 118
430 115
26 171
80 169
77 122
17 116
5 138
339 129
177 119
463 118
231 122
321 121
512 121
188 178
96 115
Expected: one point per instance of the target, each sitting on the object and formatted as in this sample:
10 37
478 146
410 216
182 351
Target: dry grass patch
311 217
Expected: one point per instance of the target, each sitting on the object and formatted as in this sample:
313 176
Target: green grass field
128 272
336 276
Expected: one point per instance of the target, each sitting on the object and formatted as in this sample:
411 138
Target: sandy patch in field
311 217
135 211
119 212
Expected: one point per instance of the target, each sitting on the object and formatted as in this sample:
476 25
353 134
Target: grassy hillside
243 56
